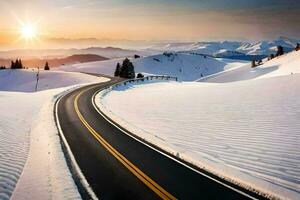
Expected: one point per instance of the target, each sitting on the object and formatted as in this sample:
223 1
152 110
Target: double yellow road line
162 193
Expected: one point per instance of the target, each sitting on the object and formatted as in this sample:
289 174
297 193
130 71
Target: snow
32 164
25 80
244 130
229 48
187 67
286 64
102 67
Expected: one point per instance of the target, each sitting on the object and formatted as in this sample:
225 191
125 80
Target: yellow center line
131 167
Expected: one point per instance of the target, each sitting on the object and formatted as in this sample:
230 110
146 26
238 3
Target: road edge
80 181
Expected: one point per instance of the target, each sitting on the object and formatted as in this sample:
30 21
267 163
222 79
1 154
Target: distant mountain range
55 62
108 52
224 49
230 49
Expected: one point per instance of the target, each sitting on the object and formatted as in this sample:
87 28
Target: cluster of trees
17 64
279 52
2 67
256 63
126 70
297 48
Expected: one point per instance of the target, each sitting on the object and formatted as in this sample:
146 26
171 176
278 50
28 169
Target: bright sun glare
28 31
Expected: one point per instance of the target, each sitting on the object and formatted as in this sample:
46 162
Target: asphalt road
117 166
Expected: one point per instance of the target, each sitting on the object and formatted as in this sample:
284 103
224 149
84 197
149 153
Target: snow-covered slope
286 64
187 67
25 80
32 164
246 131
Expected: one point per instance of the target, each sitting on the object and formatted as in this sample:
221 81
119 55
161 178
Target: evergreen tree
279 51
127 69
253 64
13 65
131 72
118 69
259 62
297 47
140 75
47 66
17 64
20 64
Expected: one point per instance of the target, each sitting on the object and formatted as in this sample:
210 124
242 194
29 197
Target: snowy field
187 67
246 130
25 80
32 164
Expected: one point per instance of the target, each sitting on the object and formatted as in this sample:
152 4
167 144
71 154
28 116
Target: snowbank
245 131
45 175
187 67
32 164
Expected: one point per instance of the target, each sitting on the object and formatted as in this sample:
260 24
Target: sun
28 31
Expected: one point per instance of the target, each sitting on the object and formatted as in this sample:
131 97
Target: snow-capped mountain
231 49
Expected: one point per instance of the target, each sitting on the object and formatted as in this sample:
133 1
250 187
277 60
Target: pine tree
140 75
118 69
297 47
17 64
20 64
46 66
253 64
131 72
127 69
13 65
259 62
279 51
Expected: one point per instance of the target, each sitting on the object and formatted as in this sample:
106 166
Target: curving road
119 166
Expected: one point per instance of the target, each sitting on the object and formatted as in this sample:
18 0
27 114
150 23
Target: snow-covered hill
185 66
287 64
25 80
246 131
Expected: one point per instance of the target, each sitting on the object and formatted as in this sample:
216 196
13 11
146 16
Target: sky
176 20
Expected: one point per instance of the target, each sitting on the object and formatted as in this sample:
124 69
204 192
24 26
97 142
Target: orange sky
144 20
